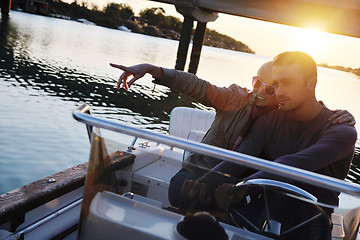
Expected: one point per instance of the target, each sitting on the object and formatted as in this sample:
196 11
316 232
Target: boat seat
352 223
190 123
184 119
153 179
196 136
346 225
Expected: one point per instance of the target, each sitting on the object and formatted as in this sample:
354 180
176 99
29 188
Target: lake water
48 66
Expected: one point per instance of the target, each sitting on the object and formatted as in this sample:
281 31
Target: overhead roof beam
334 16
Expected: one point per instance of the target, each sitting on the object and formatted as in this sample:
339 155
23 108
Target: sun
311 40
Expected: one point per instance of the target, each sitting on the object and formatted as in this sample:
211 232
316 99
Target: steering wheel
260 212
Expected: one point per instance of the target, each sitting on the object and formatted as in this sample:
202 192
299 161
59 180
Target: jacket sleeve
221 98
335 144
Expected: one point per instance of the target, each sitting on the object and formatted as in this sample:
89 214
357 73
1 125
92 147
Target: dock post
197 46
185 37
192 13
5 8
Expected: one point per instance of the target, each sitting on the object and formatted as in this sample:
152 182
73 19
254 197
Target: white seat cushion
196 136
184 119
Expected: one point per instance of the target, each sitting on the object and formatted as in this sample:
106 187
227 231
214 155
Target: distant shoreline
355 71
151 21
223 41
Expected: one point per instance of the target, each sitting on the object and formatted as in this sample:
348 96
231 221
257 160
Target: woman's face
265 92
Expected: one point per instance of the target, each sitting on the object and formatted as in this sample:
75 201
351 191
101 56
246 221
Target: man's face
292 91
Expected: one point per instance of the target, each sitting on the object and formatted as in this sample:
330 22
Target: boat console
126 189
114 216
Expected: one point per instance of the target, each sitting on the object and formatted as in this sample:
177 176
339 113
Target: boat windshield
126 194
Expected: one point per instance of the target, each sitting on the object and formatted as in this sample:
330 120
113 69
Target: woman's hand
137 71
342 116
194 188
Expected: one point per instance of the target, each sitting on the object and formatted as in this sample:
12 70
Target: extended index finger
122 67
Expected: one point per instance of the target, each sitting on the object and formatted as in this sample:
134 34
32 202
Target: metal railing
19 234
223 154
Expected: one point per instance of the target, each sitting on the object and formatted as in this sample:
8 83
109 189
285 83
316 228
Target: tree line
355 71
151 21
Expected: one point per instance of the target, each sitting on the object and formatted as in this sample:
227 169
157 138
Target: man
297 134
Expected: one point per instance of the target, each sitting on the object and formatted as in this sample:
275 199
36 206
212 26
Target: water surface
48 66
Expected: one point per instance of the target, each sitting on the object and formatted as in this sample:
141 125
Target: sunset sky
269 39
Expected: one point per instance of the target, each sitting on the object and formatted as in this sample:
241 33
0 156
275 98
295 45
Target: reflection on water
31 70
48 66
38 93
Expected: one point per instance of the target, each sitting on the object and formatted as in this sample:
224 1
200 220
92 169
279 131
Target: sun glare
312 40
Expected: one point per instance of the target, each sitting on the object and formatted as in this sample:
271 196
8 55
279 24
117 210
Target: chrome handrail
31 227
280 185
85 108
305 176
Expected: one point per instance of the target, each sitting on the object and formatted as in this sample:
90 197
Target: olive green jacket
233 108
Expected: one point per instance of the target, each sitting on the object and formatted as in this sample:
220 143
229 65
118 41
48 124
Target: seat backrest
196 136
351 224
184 119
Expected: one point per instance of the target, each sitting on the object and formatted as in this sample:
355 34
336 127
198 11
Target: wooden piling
5 8
197 46
184 42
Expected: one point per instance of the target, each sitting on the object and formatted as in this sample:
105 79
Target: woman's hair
265 72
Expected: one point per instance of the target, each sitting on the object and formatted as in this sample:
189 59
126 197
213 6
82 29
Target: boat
123 28
121 193
85 21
